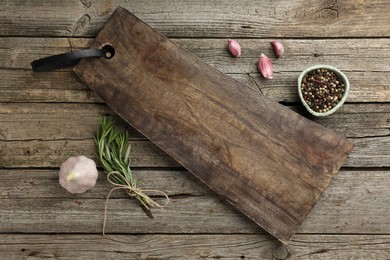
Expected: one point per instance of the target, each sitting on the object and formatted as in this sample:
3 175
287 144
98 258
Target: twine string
132 191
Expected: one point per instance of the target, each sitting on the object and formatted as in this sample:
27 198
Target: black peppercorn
322 89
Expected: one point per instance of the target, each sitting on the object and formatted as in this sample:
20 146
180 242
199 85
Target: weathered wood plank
44 184
44 121
355 202
250 18
361 55
238 246
371 152
365 61
24 86
43 153
62 86
368 152
43 135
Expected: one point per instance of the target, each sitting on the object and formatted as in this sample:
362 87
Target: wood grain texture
31 197
32 121
368 152
350 220
202 18
322 247
269 162
364 61
25 125
59 87
43 153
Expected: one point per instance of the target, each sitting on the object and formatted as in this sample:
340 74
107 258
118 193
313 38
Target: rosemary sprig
113 150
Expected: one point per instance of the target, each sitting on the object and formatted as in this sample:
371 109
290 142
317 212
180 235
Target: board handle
69 59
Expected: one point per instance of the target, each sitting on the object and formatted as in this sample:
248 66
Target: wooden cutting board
269 162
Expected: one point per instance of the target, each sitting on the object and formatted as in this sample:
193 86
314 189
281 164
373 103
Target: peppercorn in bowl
322 89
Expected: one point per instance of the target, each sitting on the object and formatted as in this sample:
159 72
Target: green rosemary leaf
126 158
113 149
107 152
112 136
106 165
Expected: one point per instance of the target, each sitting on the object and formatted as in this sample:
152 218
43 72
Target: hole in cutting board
109 51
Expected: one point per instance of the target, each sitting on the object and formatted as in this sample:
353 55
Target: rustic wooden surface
46 117
268 161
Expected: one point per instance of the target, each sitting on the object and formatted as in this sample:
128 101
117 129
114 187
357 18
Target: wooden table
47 117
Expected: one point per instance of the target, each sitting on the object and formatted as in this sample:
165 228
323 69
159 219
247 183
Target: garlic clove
265 66
278 48
78 174
234 48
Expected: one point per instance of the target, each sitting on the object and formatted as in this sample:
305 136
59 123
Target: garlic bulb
78 174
